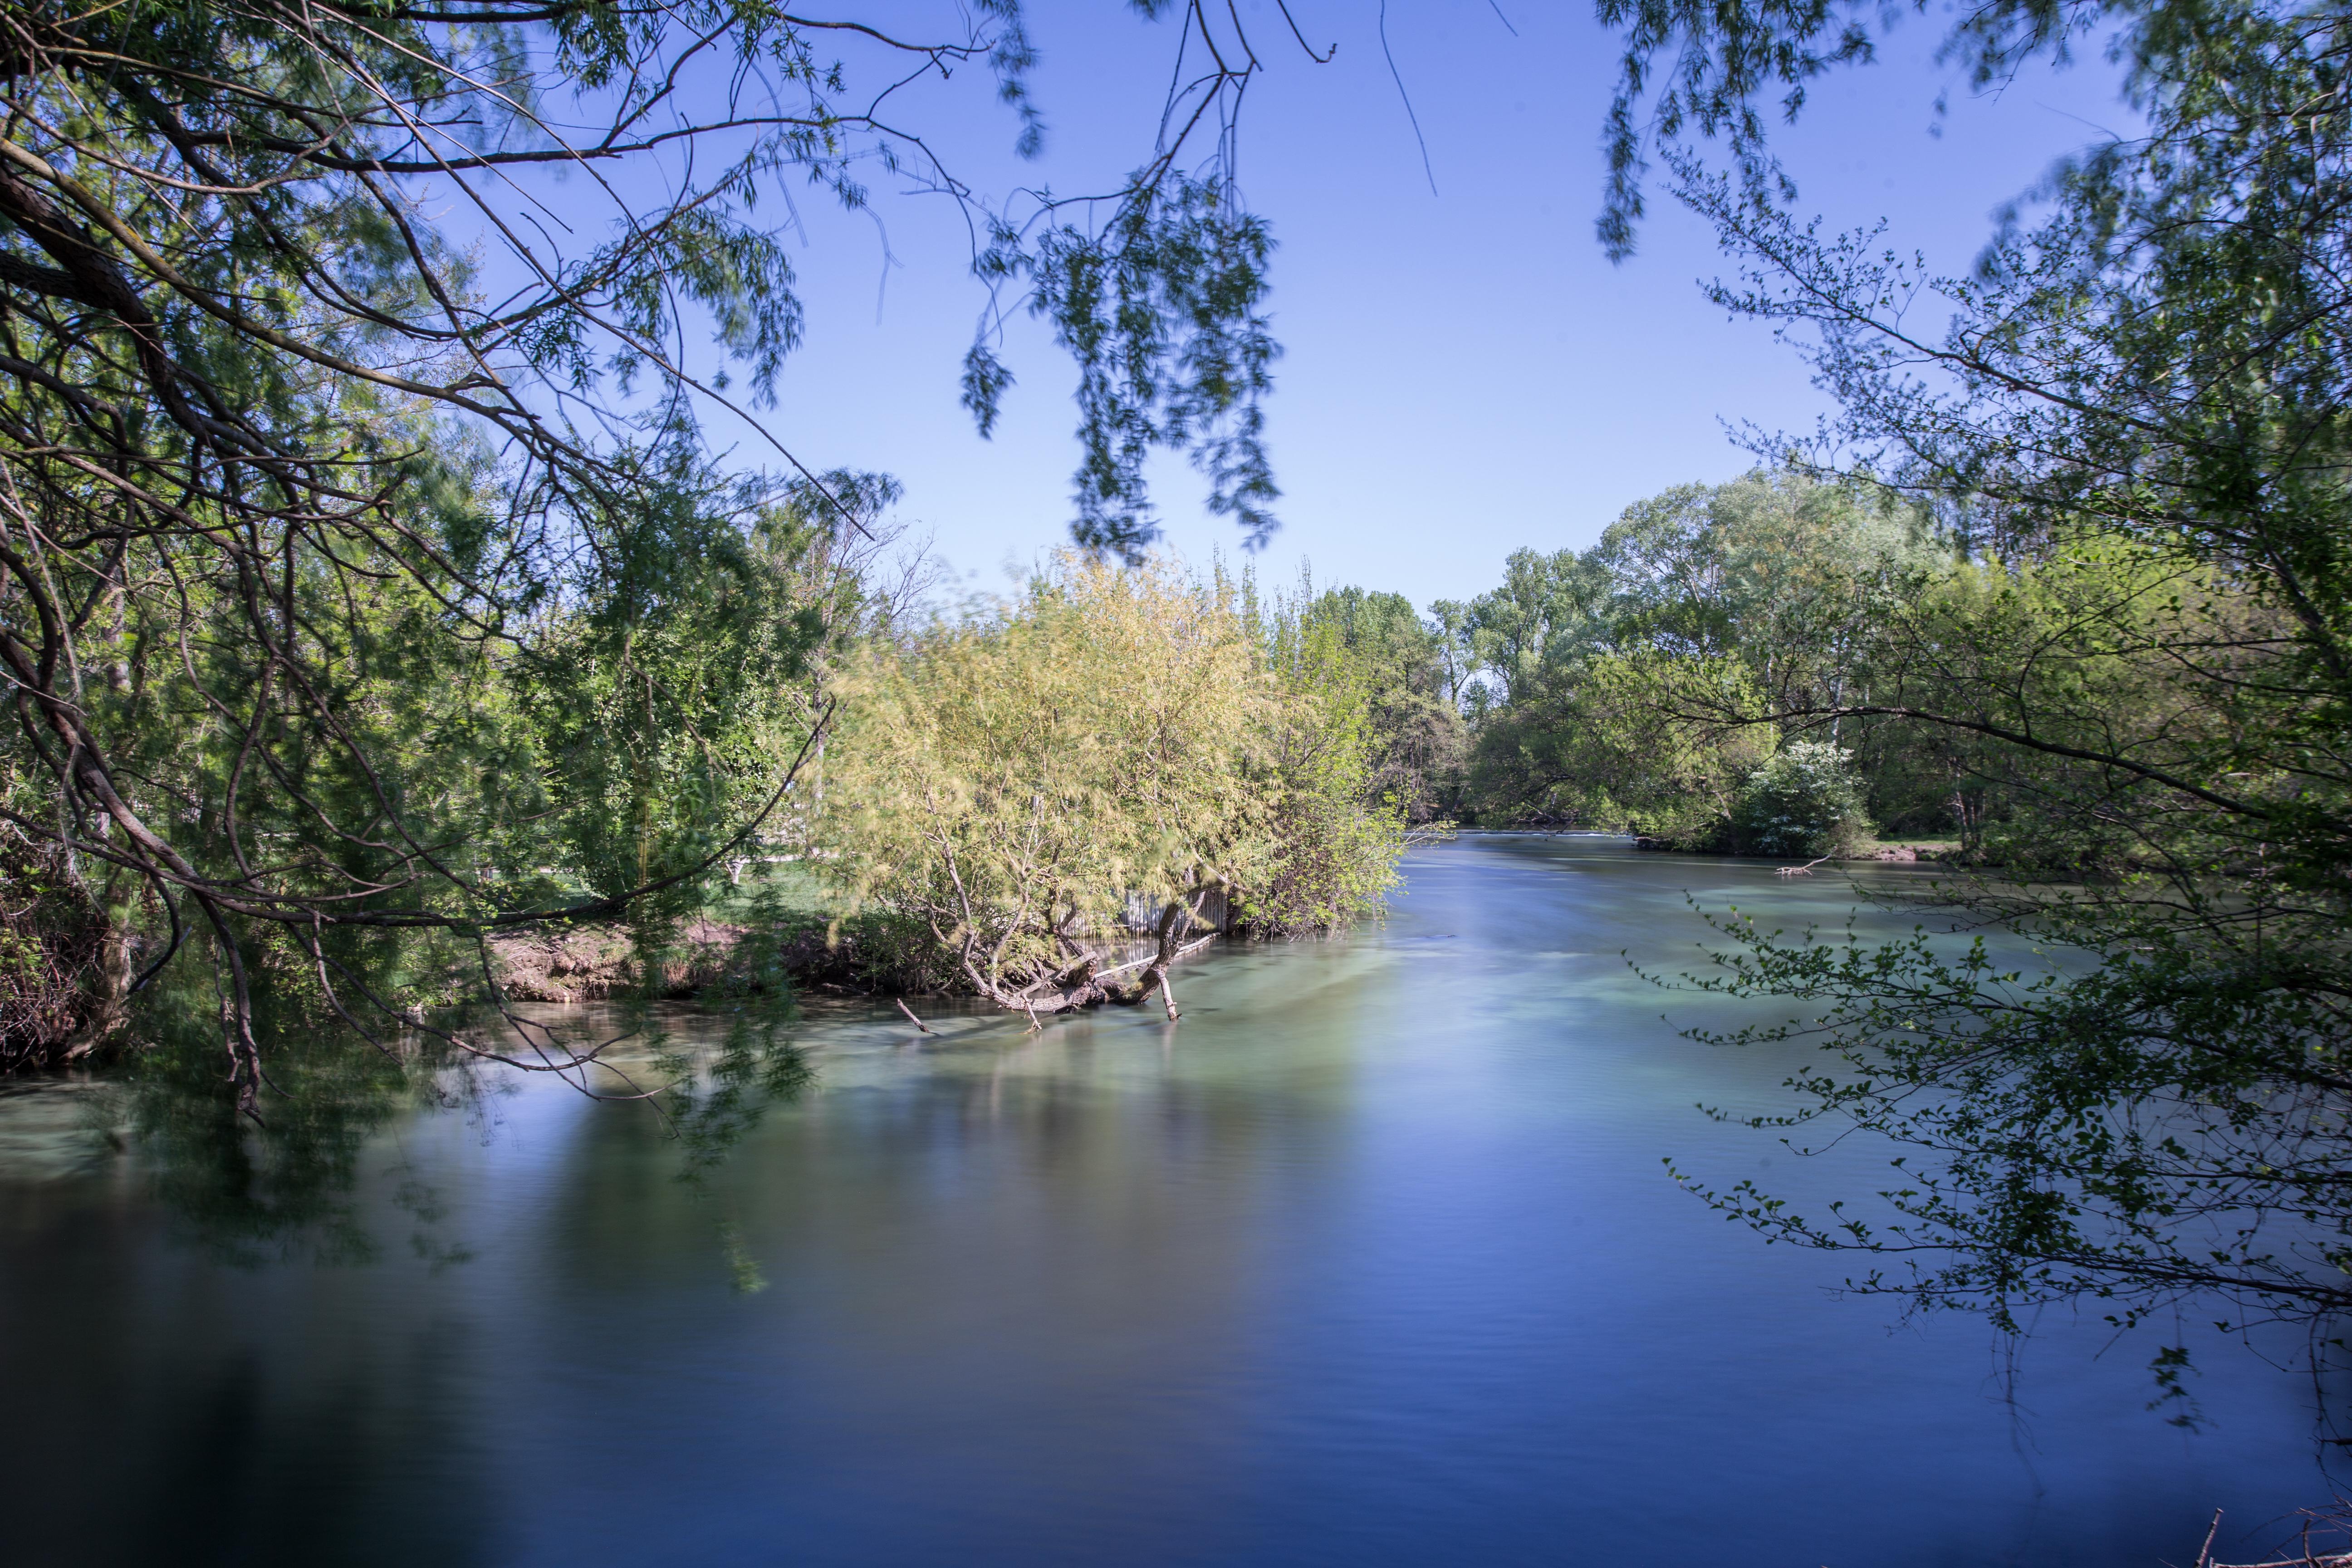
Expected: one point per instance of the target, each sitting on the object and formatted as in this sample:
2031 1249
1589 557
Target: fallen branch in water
2332 1522
1189 948
1081 987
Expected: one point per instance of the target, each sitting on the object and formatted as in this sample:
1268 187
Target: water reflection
165 1412
1371 1261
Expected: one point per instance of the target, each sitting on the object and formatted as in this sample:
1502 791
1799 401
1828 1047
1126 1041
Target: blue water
1370 1260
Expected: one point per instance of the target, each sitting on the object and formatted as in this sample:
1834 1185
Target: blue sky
1464 372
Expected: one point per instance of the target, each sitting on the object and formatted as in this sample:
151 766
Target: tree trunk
1081 988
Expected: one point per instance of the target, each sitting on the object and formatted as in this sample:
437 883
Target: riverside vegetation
374 604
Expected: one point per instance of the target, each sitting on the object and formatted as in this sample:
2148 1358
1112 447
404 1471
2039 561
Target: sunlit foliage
2133 424
1009 783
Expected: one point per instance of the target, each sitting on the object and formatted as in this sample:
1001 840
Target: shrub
1009 785
51 936
1807 801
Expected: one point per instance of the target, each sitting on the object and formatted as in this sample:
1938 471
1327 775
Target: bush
1687 826
1806 802
1006 786
51 936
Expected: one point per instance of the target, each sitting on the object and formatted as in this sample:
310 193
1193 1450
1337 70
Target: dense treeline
1551 699
367 586
1768 586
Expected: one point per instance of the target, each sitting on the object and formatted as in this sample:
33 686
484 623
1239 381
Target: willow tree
1013 787
363 572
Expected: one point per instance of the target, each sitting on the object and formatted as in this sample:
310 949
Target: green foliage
1722 59
1806 801
1414 739
1160 311
1333 838
2134 424
50 934
1532 632
1009 783
1622 678
665 701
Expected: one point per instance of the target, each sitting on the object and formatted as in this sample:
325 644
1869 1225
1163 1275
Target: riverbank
1881 852
783 932
709 959
702 957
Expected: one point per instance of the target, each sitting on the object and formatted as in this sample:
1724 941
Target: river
1370 1260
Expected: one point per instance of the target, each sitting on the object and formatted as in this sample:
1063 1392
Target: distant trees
1593 687
1613 687
1416 742
1598 673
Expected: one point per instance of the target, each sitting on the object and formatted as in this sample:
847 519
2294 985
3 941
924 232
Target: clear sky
1464 374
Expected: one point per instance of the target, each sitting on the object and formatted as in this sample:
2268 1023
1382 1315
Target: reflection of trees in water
249 1193
994 1267
1059 1189
1073 1202
288 1186
319 1412
260 1418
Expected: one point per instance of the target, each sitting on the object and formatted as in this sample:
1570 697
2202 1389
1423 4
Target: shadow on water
1371 1261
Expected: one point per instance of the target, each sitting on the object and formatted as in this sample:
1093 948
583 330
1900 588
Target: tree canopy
2127 424
365 570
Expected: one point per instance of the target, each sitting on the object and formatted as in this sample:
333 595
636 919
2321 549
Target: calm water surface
1371 1260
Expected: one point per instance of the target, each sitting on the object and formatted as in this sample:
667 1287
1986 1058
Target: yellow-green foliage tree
1006 785
1335 829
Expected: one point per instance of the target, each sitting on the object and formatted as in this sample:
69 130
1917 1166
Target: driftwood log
2327 1522
1085 983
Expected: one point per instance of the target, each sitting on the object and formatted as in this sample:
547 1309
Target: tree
1805 801
2146 389
360 549
1335 831
1007 789
1546 615
1782 573
1415 741
1764 589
